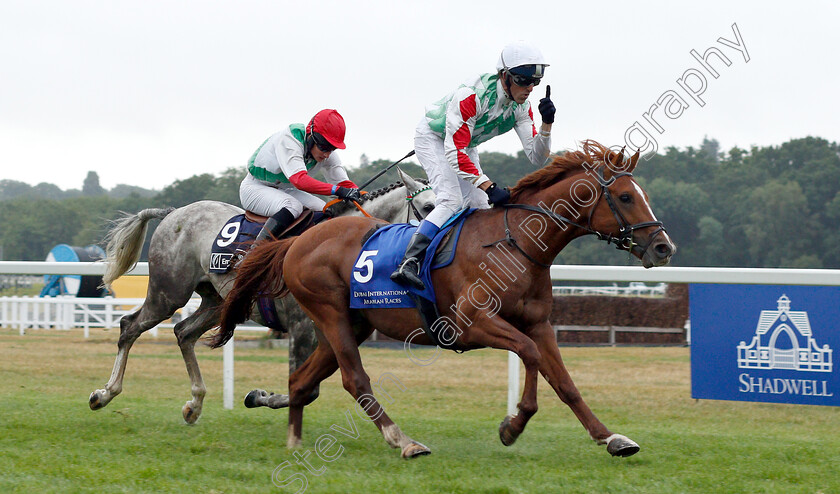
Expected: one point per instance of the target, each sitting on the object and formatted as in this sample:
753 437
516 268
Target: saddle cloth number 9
228 234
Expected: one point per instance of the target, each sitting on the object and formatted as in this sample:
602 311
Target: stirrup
237 258
404 275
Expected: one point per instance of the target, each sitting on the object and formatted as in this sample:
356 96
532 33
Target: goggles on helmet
524 80
322 143
526 75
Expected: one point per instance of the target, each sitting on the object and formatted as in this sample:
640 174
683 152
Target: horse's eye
625 198
428 208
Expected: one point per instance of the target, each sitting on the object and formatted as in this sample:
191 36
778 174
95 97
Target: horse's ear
618 161
634 160
409 182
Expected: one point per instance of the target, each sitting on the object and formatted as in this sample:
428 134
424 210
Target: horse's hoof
96 400
506 434
415 449
190 414
252 397
618 445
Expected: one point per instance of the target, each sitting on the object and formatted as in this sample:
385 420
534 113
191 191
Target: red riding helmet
330 125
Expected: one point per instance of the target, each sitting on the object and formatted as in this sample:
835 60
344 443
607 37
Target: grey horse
179 259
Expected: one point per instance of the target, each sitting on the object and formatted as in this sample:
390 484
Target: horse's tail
260 274
124 242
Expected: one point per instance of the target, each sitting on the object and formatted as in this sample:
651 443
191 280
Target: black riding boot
408 273
272 229
275 225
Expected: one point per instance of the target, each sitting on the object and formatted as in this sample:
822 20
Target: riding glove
349 194
546 107
497 195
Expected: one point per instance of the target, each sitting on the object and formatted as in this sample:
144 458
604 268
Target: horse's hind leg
188 331
554 371
334 322
304 384
155 309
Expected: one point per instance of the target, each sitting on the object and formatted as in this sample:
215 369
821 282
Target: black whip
410 154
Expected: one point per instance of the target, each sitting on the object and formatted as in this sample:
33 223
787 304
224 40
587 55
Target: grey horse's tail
125 241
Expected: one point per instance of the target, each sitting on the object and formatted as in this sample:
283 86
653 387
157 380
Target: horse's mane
562 166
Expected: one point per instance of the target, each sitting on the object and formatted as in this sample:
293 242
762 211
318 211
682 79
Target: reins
512 241
624 240
358 206
409 197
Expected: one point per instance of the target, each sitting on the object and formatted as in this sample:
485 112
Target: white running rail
757 276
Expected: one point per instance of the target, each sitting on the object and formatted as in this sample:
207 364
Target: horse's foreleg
494 332
554 371
302 344
513 425
188 331
302 336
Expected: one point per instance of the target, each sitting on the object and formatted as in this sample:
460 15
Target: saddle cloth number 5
364 263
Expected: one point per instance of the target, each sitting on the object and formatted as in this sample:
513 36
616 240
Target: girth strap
429 315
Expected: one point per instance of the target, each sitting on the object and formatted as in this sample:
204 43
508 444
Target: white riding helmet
521 53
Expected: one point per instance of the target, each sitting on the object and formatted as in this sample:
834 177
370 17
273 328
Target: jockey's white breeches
452 193
264 199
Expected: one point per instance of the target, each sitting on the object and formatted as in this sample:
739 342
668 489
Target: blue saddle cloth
237 234
371 286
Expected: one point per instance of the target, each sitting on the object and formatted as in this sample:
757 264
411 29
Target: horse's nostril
663 249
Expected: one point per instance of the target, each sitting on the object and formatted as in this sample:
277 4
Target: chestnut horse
590 191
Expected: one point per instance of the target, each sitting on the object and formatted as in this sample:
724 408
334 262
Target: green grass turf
52 442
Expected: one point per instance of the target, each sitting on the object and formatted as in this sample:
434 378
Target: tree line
774 206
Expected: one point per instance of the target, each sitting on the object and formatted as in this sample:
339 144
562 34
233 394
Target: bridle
412 208
624 240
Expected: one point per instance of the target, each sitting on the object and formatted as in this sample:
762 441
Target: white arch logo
783 340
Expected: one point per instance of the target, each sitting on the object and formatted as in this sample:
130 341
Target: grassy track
50 441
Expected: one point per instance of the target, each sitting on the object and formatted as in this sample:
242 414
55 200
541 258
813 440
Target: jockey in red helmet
278 183
446 138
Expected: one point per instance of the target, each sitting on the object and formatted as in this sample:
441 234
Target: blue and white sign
765 343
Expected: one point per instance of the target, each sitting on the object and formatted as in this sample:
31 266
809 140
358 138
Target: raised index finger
548 91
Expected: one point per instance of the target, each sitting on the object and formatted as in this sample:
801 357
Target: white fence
758 276
32 312
66 312
635 289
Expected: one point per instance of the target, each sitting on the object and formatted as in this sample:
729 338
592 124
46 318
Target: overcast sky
145 93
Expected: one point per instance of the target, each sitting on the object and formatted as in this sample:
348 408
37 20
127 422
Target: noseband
624 240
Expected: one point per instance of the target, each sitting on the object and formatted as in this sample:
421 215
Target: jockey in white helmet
446 138
278 183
